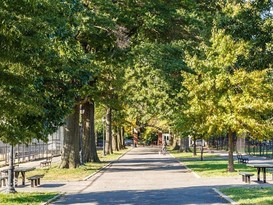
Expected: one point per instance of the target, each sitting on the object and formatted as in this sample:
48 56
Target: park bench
35 180
242 159
3 180
246 176
46 163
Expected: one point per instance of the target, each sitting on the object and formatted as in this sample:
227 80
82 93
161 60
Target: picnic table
17 171
261 167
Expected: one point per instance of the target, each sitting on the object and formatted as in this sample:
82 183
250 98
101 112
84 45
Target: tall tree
71 147
89 141
222 97
40 62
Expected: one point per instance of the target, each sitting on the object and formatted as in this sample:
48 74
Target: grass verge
212 165
34 198
250 195
55 174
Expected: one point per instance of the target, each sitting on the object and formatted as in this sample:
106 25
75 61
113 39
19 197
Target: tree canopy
41 65
194 64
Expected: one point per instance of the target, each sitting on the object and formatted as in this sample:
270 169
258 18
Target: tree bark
70 157
114 134
118 138
181 144
89 139
108 138
202 152
115 140
122 145
175 142
194 146
230 152
186 144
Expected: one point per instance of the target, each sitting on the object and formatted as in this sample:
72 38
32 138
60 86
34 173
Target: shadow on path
178 196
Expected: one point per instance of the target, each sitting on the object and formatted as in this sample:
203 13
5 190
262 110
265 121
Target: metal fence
35 150
259 148
245 145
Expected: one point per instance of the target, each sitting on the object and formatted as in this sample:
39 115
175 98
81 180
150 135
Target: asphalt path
143 176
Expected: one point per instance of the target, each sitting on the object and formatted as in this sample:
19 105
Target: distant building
166 138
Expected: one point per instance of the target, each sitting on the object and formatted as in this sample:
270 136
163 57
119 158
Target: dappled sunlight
213 165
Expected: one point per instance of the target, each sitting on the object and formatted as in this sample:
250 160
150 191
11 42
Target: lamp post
81 133
103 139
10 188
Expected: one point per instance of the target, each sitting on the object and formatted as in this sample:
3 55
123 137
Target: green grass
250 196
212 165
56 174
25 198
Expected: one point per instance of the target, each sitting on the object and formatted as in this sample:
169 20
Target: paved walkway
143 176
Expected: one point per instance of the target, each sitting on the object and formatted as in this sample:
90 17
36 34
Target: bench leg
32 182
243 178
38 181
248 179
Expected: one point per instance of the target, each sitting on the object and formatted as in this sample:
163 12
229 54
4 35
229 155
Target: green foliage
252 22
41 66
129 56
224 97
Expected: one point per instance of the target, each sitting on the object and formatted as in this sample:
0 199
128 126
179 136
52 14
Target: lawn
250 195
34 198
56 174
212 165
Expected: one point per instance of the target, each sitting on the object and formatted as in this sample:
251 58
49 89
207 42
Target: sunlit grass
54 173
212 165
33 198
250 195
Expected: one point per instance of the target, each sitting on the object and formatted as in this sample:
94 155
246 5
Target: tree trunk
70 157
86 141
230 152
89 139
114 138
115 141
119 138
181 144
122 138
175 143
202 151
186 142
194 147
108 140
